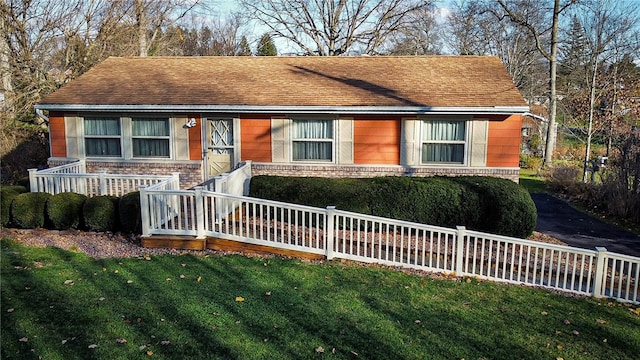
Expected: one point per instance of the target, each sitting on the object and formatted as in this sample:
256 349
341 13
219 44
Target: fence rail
74 178
341 234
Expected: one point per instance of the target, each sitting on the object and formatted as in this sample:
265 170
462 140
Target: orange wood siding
195 138
57 135
255 133
376 140
503 144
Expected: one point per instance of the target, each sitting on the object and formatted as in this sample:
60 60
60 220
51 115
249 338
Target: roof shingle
425 81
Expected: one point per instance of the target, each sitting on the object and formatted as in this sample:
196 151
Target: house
302 116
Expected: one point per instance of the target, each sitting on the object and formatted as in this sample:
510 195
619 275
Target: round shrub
129 212
64 210
28 210
444 202
506 208
100 213
7 193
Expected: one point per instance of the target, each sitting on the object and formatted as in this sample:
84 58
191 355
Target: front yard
59 304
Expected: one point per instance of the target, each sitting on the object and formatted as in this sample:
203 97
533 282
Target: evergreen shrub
7 193
129 213
505 208
64 210
100 213
27 210
480 203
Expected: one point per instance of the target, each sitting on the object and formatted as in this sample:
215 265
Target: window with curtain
312 140
443 141
150 137
102 136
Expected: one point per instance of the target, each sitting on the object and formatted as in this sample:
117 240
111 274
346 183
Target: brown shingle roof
429 81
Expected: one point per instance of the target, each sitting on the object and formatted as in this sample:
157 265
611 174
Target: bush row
64 211
481 203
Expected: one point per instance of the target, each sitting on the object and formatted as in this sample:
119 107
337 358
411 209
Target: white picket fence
227 214
341 234
73 177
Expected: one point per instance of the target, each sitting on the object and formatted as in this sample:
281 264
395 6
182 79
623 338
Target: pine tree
266 47
243 48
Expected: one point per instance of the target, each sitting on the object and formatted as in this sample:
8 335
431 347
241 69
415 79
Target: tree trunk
553 66
142 28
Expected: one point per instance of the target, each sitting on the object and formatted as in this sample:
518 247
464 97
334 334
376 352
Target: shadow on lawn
289 311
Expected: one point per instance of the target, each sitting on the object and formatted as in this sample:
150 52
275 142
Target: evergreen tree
243 48
266 47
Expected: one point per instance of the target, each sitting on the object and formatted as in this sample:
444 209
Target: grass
58 304
532 181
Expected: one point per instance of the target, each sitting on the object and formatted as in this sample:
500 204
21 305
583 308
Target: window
312 140
150 137
102 136
443 141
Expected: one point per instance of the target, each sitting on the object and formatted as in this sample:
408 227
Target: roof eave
253 109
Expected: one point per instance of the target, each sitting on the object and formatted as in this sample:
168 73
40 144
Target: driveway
556 218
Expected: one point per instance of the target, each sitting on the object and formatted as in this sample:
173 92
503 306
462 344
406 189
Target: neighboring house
298 116
534 127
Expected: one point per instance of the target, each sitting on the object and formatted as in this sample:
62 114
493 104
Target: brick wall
355 171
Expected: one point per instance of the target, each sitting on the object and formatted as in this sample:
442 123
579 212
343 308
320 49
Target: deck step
174 242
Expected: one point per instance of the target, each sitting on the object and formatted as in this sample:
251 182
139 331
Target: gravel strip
116 245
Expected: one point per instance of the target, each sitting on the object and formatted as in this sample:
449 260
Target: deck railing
341 234
235 182
74 178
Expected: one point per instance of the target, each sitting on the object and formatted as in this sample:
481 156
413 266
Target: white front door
220 146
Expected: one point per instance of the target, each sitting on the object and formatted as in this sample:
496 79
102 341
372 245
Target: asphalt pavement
558 219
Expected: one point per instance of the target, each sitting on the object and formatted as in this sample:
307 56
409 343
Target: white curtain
150 137
443 141
102 136
304 132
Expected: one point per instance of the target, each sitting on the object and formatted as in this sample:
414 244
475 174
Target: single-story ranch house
299 116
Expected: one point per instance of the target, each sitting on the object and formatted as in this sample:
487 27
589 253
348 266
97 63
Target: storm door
220 146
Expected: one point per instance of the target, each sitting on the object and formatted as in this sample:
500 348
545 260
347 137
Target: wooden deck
211 243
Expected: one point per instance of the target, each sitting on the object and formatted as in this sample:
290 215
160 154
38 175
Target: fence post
329 231
460 235
33 182
176 180
601 272
102 175
247 179
83 166
200 229
218 184
144 211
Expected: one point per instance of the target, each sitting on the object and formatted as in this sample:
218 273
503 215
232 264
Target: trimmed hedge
27 210
481 203
7 194
506 208
129 212
64 210
100 213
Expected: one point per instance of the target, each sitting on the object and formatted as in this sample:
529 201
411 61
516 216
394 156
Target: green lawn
62 305
532 181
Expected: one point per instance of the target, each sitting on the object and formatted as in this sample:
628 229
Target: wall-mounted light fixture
191 123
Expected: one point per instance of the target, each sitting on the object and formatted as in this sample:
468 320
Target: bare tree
421 35
334 27
517 11
609 27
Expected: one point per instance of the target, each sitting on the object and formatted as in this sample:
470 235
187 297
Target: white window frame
86 137
331 140
466 143
166 137
126 136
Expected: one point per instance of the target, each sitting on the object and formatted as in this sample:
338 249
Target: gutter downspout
537 117
42 116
